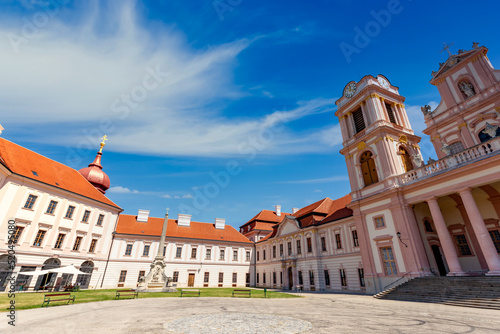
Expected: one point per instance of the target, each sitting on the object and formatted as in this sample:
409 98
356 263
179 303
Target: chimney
295 210
220 223
143 216
278 210
183 220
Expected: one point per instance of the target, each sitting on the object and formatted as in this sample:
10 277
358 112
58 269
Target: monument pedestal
156 280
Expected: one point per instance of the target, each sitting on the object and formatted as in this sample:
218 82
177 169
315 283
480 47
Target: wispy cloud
323 180
122 190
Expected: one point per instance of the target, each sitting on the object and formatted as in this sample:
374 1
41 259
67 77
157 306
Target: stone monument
156 280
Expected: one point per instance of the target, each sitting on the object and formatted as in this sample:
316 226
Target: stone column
481 232
449 250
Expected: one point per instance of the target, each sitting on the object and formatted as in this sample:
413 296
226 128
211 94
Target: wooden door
191 280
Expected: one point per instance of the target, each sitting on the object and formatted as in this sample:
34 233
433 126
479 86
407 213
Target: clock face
384 83
350 90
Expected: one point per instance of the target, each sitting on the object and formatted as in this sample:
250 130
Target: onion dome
94 174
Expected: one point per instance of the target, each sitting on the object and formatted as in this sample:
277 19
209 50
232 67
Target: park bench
127 292
57 297
191 292
242 292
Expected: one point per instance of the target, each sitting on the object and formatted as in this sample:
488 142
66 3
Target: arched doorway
48 279
290 278
405 157
7 264
84 280
368 168
439 260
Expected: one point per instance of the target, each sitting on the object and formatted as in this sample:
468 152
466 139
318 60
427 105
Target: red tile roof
24 162
128 224
267 216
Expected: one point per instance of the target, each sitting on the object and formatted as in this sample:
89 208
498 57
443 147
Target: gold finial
103 143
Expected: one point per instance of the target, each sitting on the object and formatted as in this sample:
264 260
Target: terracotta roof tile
128 224
267 216
27 163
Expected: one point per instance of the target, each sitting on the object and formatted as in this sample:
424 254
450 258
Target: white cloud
122 190
418 125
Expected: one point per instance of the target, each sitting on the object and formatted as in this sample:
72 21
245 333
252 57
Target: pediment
288 225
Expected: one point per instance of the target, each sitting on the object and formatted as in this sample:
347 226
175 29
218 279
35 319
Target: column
481 232
449 250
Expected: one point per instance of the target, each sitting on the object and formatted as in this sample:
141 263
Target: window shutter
359 122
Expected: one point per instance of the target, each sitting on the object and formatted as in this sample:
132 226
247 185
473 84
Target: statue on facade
426 110
467 89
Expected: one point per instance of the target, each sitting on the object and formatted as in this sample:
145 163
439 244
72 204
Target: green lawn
34 300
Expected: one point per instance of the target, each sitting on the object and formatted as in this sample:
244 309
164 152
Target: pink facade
417 219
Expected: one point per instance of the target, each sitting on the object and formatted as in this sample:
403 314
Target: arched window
405 157
84 280
466 88
483 136
368 168
428 226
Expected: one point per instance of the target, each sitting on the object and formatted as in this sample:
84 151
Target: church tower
378 142
94 173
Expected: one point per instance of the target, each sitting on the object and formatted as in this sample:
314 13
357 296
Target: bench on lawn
58 297
126 292
242 292
191 292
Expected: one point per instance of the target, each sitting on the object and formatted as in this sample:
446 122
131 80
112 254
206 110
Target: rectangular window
390 113
86 216
206 278
257 278
343 279
311 277
100 220
235 255
248 256
281 277
51 208
142 273
17 234
145 252
221 278
264 255
208 254
495 236
281 249
123 276
299 248
39 238
258 256
274 251
301 280
247 279
323 244
59 241
93 243
359 122
379 222
175 277
128 250
235 278
462 245
456 147
193 253
388 261
289 248
338 241
355 238
274 277
264 278
361 274
77 243
30 202
327 277
178 252
69 212
222 254
164 250
309 245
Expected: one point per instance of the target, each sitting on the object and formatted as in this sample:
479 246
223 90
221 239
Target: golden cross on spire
446 47
103 143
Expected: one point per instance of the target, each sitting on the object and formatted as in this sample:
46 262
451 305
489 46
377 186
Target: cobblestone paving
237 323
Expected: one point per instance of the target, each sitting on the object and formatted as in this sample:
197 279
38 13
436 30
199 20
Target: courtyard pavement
314 313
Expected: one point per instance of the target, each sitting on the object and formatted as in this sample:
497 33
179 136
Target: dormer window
467 89
359 122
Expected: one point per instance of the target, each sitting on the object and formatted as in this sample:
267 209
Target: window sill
28 209
68 218
37 246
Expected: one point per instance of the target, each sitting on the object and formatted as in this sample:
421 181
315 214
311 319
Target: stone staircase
479 292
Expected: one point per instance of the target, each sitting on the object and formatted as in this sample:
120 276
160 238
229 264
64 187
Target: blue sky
216 108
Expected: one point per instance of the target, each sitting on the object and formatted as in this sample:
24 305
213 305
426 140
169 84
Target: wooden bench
57 297
191 292
127 292
242 292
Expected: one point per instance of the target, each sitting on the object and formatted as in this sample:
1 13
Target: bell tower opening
368 168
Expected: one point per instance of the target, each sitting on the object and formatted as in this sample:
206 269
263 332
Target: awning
65 270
